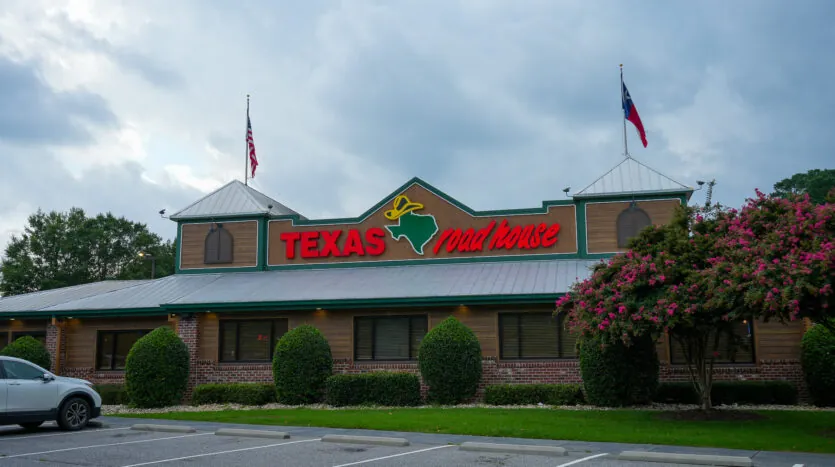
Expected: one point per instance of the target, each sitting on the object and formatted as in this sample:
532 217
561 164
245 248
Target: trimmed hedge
112 394
449 358
156 370
29 349
731 392
301 364
616 375
530 394
817 357
234 393
384 388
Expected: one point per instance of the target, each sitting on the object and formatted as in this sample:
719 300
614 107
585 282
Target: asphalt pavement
122 442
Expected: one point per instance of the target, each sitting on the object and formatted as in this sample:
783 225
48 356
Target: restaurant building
249 268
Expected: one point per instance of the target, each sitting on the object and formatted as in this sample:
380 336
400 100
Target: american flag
253 161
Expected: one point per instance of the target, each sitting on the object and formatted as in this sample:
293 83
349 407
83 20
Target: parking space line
4 437
221 452
395 455
577 461
103 445
797 465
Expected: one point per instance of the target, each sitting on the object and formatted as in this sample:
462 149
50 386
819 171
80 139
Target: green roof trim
414 262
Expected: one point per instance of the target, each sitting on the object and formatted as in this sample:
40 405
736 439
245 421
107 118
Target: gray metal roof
326 284
632 177
149 294
412 281
232 199
46 298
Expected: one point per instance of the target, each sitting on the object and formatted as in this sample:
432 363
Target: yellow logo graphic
402 205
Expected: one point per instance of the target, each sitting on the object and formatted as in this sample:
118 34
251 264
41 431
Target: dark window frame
561 331
237 321
221 254
18 334
624 232
99 335
753 360
374 319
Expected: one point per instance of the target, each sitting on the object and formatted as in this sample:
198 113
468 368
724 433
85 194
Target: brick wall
189 332
494 372
52 333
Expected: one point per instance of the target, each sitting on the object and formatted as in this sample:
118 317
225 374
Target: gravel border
124 410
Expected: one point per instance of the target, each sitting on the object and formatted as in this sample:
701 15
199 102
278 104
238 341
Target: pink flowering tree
706 271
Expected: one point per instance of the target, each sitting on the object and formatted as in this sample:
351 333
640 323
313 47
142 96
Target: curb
252 433
514 448
697 459
164 428
378 440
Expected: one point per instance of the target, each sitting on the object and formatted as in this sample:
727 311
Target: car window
20 370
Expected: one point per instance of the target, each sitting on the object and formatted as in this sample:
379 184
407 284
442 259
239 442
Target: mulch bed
710 415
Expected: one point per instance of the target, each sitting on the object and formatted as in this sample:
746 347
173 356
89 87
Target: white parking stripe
103 445
46 435
395 455
222 452
797 465
577 461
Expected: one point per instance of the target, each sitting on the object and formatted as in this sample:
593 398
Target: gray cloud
33 113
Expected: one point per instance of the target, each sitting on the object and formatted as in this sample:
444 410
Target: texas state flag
631 114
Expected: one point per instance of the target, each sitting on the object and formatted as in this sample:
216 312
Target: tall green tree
817 183
60 249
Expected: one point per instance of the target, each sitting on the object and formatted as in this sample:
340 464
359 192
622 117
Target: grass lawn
780 431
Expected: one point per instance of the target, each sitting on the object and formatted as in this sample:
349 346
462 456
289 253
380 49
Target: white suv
30 395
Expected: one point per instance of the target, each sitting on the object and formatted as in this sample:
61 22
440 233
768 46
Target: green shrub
29 349
377 388
301 365
449 358
112 394
817 357
731 392
234 393
156 369
615 375
529 394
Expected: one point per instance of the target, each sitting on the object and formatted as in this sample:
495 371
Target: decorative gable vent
218 246
630 222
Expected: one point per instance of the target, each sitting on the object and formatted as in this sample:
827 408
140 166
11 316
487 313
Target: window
39 336
4 340
218 246
630 222
250 340
20 370
388 337
113 348
534 335
742 334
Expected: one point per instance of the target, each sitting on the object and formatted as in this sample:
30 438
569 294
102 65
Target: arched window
218 246
630 222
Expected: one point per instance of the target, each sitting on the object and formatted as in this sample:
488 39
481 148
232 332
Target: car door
26 390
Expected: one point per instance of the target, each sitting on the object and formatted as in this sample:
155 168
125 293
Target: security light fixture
152 258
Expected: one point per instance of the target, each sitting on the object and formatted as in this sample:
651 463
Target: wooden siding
80 338
8 328
338 326
778 341
601 221
244 245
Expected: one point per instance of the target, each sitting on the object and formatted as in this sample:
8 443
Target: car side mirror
47 377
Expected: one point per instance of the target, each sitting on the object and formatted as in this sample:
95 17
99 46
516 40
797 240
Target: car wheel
74 414
31 425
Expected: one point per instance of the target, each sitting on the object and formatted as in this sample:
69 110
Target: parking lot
124 445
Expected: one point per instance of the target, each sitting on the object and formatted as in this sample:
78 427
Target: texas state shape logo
417 229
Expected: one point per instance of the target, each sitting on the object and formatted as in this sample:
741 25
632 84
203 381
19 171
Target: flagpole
623 112
246 144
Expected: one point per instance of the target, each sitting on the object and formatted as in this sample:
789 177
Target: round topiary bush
449 358
301 364
615 375
29 349
156 369
817 358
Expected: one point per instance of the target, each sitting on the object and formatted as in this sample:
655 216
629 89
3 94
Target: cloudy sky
134 106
